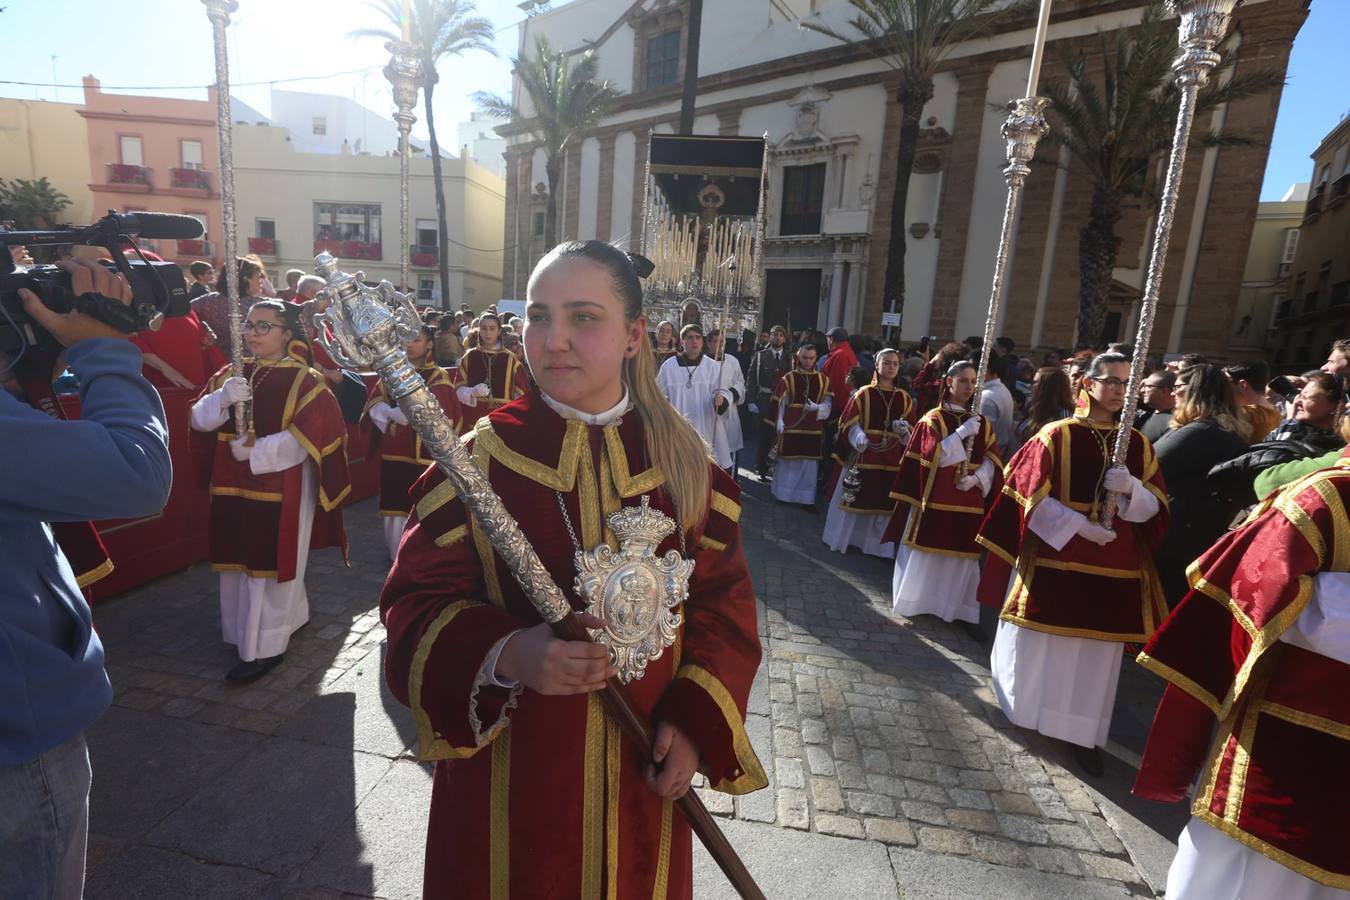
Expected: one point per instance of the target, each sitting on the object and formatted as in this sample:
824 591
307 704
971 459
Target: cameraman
112 463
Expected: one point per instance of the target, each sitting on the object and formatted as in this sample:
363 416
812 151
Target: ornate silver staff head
1203 25
1023 130
369 325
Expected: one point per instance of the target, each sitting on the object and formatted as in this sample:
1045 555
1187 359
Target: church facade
832 123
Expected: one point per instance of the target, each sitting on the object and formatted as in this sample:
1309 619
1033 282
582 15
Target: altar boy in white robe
691 381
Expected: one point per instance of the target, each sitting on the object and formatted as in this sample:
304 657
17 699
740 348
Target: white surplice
728 438
1209 864
259 615
1064 687
936 584
690 390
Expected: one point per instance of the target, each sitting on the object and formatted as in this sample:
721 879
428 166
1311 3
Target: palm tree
31 204
567 102
1115 123
439 29
912 37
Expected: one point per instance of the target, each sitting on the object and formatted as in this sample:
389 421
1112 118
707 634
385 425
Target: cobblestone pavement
873 728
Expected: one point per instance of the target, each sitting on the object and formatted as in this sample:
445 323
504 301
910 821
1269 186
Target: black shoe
811 508
1090 760
247 672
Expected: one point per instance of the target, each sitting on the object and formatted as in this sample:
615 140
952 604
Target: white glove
1093 532
754 408
1119 480
967 483
396 416
239 447
969 428
901 428
857 438
810 406
235 390
467 396
780 426
482 390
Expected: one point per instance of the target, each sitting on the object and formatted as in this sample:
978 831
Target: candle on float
406 21
1038 49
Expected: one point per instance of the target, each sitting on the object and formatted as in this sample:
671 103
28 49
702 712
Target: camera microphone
165 226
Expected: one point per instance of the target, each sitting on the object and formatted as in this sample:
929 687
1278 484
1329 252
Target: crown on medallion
641 525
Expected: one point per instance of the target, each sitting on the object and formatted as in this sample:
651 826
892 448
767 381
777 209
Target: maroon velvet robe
542 796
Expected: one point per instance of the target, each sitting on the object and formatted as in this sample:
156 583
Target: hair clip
641 264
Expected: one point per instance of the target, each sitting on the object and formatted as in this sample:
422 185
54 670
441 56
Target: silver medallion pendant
633 590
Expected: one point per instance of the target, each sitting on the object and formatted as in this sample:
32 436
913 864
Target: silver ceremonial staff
404 73
1203 24
369 329
218 11
1023 130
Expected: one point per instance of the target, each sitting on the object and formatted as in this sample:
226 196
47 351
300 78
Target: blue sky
168 42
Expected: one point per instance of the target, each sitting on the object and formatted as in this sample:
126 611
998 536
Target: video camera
158 288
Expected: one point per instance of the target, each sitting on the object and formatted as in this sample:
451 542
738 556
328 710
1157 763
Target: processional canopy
703 228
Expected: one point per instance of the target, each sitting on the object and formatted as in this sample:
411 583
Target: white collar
605 418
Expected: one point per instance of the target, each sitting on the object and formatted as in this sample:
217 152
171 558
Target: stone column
640 150
958 185
604 208
834 314
571 211
729 122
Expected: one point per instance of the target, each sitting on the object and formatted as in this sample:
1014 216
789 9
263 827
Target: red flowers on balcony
263 246
124 174
191 179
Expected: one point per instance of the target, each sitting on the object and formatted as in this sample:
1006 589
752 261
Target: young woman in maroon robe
402 457
666 345
276 491
1069 590
941 494
489 376
536 792
873 431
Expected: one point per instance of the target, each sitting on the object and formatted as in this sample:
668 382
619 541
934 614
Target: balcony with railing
131 179
263 246
190 182
349 249
424 256
1314 207
196 249
1339 188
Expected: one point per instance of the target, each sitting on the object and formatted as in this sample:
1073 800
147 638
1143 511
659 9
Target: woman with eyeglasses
276 490
1207 428
1071 586
941 495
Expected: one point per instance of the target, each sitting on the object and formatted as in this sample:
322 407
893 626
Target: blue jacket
112 463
